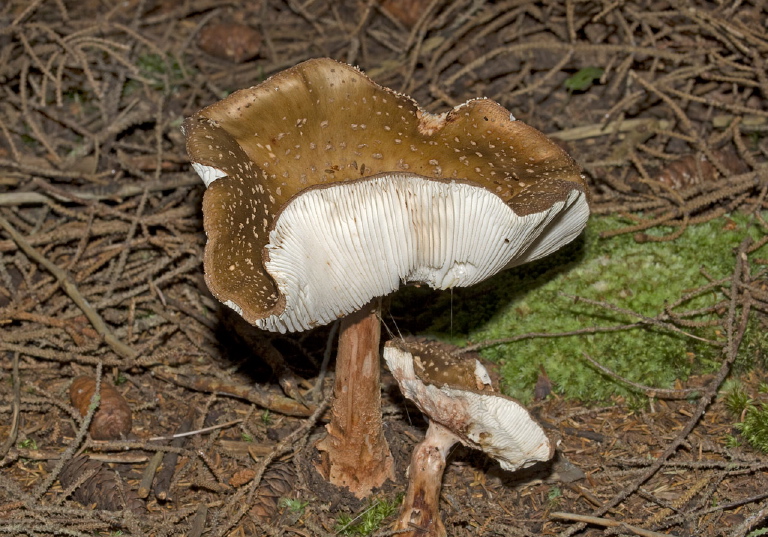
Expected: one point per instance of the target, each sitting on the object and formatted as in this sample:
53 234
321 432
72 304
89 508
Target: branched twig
244 496
71 289
647 320
533 335
658 393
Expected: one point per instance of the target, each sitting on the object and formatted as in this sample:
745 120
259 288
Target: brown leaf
241 477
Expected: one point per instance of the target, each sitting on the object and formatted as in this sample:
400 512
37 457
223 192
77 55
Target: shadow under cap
322 123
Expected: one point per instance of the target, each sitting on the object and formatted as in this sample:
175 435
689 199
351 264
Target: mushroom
478 418
326 191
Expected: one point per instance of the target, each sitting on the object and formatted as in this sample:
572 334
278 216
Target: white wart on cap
326 190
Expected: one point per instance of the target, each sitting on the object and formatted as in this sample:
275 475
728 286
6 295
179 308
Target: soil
662 102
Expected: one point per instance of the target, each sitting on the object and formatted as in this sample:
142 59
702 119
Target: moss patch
640 277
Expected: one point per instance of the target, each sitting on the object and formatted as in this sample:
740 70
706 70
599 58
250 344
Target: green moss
754 428
369 520
736 398
754 347
28 443
266 418
293 504
752 413
637 276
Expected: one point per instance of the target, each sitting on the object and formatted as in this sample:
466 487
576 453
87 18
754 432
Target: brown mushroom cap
434 364
491 422
320 153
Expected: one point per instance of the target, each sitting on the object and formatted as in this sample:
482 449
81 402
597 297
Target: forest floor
663 103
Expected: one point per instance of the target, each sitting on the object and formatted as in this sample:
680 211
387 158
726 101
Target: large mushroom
326 191
461 406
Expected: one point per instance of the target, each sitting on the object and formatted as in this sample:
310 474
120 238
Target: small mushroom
484 420
326 191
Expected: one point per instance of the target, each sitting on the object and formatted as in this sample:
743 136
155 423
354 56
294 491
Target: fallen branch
272 401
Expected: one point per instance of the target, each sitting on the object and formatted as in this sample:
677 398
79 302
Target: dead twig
259 396
533 335
647 320
598 521
165 476
8 444
658 393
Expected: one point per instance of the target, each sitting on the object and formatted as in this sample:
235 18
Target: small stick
317 390
8 444
264 398
650 320
533 335
165 475
198 522
182 434
608 523
51 455
149 474
598 129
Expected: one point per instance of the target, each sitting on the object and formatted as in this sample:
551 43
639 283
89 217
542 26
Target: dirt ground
662 102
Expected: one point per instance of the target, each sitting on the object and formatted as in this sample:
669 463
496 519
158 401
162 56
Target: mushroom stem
355 454
420 510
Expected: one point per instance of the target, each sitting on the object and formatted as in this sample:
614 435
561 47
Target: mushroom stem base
420 511
355 454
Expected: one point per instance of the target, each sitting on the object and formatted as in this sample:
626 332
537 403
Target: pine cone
101 488
277 482
112 419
